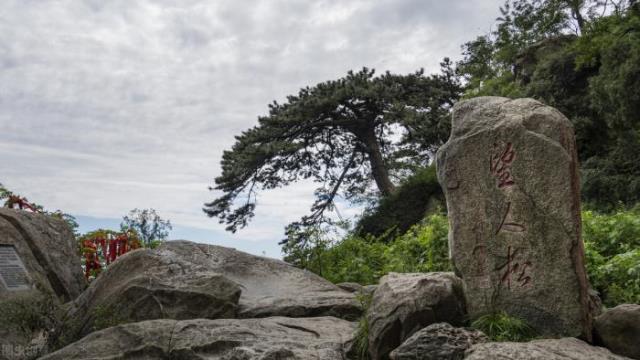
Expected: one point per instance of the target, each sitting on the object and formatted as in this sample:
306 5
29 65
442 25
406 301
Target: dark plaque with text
13 274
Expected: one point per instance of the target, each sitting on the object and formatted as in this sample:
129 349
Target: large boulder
439 341
325 338
149 284
39 270
549 349
618 329
405 303
38 252
269 287
510 176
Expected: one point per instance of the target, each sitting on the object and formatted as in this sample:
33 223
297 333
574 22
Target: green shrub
407 206
365 259
423 248
612 249
33 316
500 326
361 342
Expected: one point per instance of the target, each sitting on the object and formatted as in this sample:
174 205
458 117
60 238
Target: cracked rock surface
549 349
183 280
144 285
325 338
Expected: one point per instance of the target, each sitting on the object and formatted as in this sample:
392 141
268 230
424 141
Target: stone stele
509 173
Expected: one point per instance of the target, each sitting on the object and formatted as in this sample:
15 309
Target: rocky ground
193 301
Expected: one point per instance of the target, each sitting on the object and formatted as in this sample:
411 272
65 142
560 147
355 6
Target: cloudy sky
111 105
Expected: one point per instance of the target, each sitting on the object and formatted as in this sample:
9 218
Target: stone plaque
509 173
12 271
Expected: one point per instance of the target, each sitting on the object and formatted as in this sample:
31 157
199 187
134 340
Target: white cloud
107 106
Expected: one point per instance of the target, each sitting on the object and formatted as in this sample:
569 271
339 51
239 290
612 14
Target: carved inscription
515 270
509 225
500 164
12 271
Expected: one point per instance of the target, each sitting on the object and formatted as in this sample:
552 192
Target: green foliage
37 315
347 134
500 326
148 225
407 206
365 259
29 314
361 342
612 248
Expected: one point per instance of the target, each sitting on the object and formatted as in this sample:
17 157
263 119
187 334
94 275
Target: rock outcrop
147 284
510 176
269 287
325 338
439 341
618 329
405 303
38 251
550 349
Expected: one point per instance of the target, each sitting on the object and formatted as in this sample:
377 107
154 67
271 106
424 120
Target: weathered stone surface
46 247
509 173
269 287
149 284
370 289
351 287
550 349
618 329
325 338
439 341
405 303
356 288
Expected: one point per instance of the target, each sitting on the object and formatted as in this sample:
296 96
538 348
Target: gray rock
325 338
439 341
618 329
509 173
351 287
269 287
46 247
549 349
356 288
39 270
405 303
149 284
370 289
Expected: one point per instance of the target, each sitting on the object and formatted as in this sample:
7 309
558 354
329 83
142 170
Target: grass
500 326
361 342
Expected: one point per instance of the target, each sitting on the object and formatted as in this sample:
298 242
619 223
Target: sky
106 106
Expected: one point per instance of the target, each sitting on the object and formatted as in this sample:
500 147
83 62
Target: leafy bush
500 326
407 206
37 322
365 259
612 248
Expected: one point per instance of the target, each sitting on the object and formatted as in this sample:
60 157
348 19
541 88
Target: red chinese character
500 165
515 269
508 225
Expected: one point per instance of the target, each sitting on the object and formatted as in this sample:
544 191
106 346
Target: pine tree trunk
378 168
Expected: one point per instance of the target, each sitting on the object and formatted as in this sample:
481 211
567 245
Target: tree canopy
148 225
346 134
